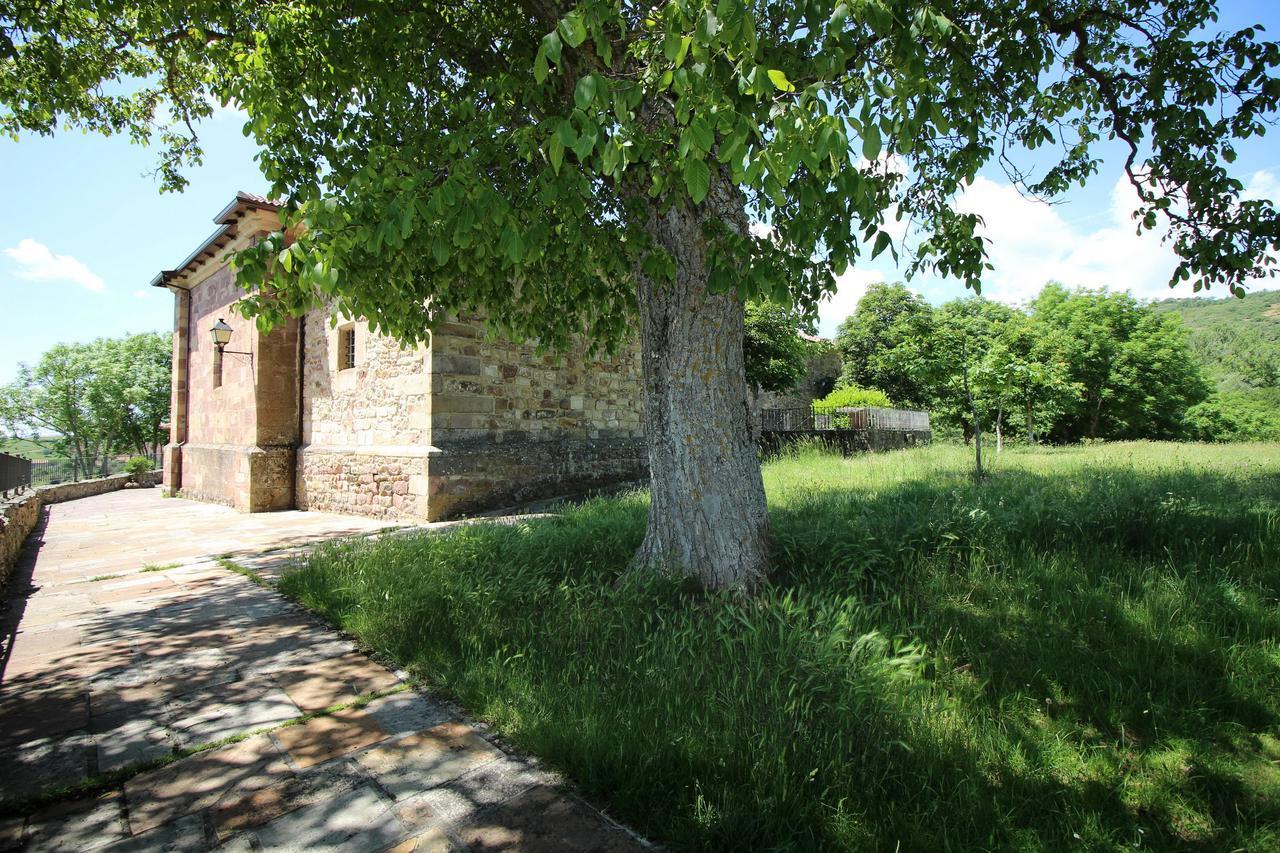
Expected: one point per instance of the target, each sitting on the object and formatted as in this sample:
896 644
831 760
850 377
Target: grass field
1082 651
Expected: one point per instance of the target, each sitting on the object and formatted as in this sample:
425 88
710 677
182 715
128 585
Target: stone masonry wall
498 390
226 414
366 430
460 426
373 484
240 434
509 425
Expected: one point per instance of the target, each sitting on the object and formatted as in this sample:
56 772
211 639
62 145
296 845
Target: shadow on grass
1036 660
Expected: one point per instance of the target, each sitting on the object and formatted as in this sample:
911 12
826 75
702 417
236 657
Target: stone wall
499 390
847 441
366 429
19 515
469 477
463 425
241 434
382 484
509 425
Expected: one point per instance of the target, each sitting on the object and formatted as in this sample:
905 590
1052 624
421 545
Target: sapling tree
585 169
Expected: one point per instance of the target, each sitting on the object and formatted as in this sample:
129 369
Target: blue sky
85 228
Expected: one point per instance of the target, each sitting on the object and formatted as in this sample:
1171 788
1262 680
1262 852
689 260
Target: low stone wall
469 477
19 515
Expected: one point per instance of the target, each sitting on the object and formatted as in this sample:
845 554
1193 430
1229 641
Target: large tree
1135 367
562 167
888 317
88 401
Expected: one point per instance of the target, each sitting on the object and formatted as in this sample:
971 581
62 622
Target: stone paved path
125 644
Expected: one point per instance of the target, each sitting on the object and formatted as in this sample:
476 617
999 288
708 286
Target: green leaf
702 133
286 258
551 46
708 26
440 250
697 178
568 136
586 141
871 141
540 65
585 92
780 81
882 243
555 153
572 30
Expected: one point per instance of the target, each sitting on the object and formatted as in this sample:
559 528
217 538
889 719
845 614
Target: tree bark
707 517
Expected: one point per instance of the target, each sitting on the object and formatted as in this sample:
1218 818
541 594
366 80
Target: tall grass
1082 650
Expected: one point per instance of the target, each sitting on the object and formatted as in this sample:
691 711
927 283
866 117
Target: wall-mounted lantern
221 333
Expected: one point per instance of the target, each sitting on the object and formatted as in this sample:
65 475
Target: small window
347 348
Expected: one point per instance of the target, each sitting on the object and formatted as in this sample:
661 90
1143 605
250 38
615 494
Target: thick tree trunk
708 517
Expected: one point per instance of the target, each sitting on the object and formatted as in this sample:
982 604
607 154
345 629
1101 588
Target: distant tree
1135 368
772 348
89 401
888 316
146 391
1025 368
968 388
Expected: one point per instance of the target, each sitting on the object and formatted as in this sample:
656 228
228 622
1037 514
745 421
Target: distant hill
1238 340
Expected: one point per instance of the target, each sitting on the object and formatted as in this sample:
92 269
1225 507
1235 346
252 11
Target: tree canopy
89 401
1076 364
773 350
558 166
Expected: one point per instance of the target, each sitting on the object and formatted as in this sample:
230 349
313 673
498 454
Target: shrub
138 465
1252 415
853 397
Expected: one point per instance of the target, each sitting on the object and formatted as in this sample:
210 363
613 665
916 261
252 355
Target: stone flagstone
107 666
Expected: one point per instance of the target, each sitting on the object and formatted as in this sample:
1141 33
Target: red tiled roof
226 220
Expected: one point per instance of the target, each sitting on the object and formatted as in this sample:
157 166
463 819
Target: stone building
331 417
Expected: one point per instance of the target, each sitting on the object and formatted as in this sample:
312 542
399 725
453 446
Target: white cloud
1263 184
143 293
37 263
1032 243
850 287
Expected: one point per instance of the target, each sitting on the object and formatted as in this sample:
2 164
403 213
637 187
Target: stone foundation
382 482
469 477
847 441
251 479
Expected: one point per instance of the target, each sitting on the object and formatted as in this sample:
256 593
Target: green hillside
1238 341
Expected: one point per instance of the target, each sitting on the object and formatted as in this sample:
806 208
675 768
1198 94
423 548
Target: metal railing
15 474
823 418
52 472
